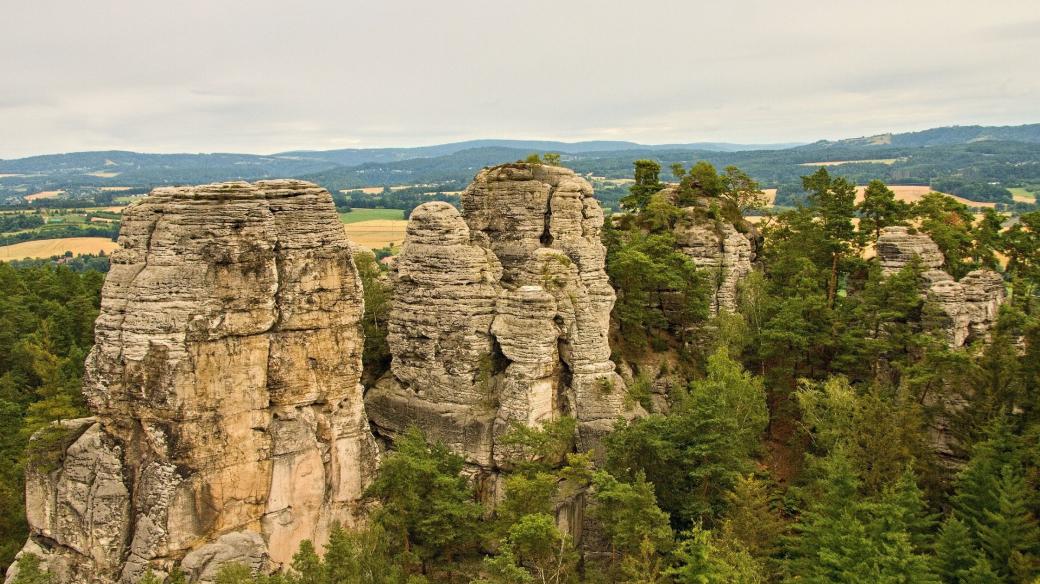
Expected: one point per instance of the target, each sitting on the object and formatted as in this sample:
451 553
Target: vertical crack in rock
229 422
500 316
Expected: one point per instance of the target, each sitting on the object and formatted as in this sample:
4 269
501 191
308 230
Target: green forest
800 443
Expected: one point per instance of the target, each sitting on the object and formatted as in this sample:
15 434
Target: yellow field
618 181
46 248
1021 195
43 195
104 174
840 162
914 193
116 189
376 233
908 193
9 175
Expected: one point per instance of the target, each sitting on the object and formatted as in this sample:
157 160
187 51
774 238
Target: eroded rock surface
500 316
717 247
225 385
967 308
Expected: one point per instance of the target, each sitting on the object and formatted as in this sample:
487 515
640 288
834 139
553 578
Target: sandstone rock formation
716 247
967 308
500 316
724 252
229 422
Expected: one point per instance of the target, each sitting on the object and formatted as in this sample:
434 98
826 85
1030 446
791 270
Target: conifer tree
425 505
1009 534
647 182
880 208
833 202
954 552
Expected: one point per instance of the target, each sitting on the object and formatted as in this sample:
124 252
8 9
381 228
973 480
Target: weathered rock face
224 379
500 315
716 247
968 308
897 247
726 255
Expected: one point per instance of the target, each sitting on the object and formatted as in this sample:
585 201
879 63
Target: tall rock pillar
229 423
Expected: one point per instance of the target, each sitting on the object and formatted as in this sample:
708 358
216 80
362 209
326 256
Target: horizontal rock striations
500 316
967 309
229 423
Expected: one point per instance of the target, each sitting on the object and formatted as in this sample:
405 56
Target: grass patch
1021 195
358 215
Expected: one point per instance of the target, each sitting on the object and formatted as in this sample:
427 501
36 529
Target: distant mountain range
1005 155
356 156
944 136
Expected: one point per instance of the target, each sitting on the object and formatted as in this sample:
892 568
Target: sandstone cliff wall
229 423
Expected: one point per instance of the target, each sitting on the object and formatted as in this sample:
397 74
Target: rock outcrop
716 247
229 423
726 255
500 316
967 309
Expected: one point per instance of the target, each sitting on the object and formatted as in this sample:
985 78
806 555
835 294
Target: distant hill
946 136
356 156
981 162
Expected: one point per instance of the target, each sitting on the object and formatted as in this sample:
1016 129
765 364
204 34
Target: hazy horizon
265 77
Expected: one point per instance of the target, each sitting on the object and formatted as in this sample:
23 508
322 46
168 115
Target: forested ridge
799 439
975 162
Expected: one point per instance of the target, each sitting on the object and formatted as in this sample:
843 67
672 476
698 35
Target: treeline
974 191
19 221
80 263
47 317
109 230
404 199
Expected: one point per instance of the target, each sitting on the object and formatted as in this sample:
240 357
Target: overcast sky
266 76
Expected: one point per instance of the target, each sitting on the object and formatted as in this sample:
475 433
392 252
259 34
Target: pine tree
980 573
751 518
977 483
954 552
915 519
833 201
702 558
629 514
647 182
1009 534
880 208
424 502
844 538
